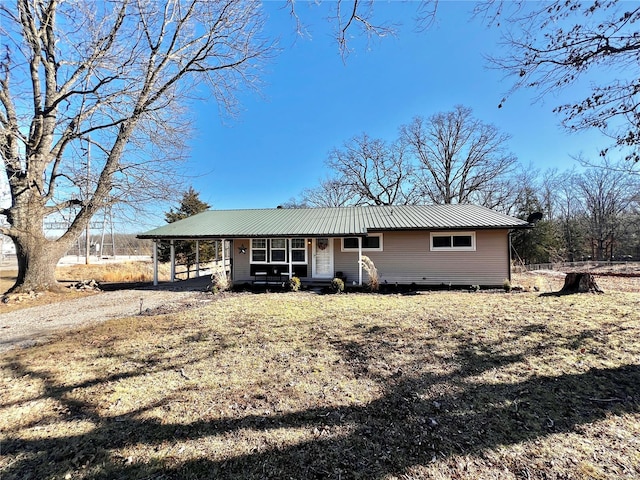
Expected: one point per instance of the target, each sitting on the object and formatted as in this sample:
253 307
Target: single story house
423 244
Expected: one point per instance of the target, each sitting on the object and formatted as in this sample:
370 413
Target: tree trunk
580 282
37 259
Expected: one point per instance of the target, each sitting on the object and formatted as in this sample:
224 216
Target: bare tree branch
461 158
373 172
564 43
117 75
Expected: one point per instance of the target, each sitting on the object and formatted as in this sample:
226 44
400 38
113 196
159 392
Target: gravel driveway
29 326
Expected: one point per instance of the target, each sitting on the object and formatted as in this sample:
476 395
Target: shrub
372 271
337 285
475 288
219 283
506 285
294 284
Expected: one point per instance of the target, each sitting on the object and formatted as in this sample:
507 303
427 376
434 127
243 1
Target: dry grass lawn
103 273
440 385
122 272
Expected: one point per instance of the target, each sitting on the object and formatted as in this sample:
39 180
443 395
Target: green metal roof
332 222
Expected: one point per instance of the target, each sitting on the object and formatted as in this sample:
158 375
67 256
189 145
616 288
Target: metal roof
332 222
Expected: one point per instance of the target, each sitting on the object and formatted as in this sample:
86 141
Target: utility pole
87 234
108 217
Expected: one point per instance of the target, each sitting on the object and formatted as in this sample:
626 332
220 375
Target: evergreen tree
185 250
541 244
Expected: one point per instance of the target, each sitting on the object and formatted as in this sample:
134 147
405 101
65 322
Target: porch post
290 259
155 261
359 261
197 258
173 260
509 259
224 260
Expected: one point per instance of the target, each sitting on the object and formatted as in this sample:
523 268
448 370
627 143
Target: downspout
155 262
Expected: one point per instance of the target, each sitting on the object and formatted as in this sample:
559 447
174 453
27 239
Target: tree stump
580 282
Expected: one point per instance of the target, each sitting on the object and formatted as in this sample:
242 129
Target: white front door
322 257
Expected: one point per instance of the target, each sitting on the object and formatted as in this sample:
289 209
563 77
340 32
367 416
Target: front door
323 257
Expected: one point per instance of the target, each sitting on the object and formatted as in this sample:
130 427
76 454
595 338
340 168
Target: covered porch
315 260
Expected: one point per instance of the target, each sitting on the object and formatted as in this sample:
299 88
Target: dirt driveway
29 326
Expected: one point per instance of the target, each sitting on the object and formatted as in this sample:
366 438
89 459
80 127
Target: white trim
359 261
364 249
314 272
269 251
224 258
303 248
279 249
197 258
433 235
172 249
289 265
266 252
155 262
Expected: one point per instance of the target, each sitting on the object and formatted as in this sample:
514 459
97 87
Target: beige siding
347 263
406 258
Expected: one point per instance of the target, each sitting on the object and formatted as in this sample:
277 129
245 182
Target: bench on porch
270 276
275 274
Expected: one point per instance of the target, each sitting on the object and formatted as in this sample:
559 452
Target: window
298 250
274 250
259 250
278 250
372 243
460 241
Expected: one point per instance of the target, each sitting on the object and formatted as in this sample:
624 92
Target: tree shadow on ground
419 417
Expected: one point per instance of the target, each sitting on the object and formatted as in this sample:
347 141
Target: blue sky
312 101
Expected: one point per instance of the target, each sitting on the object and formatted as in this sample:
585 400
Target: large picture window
371 243
274 250
460 241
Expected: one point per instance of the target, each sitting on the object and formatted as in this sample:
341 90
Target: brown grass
7 279
124 272
434 386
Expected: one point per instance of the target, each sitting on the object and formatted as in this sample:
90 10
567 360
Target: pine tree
541 243
185 250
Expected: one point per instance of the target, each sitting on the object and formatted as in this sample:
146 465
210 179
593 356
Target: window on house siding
461 241
258 250
278 250
274 250
369 244
298 250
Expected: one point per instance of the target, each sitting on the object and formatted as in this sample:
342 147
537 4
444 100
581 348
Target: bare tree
110 81
370 171
332 192
461 158
568 211
607 193
353 15
552 46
